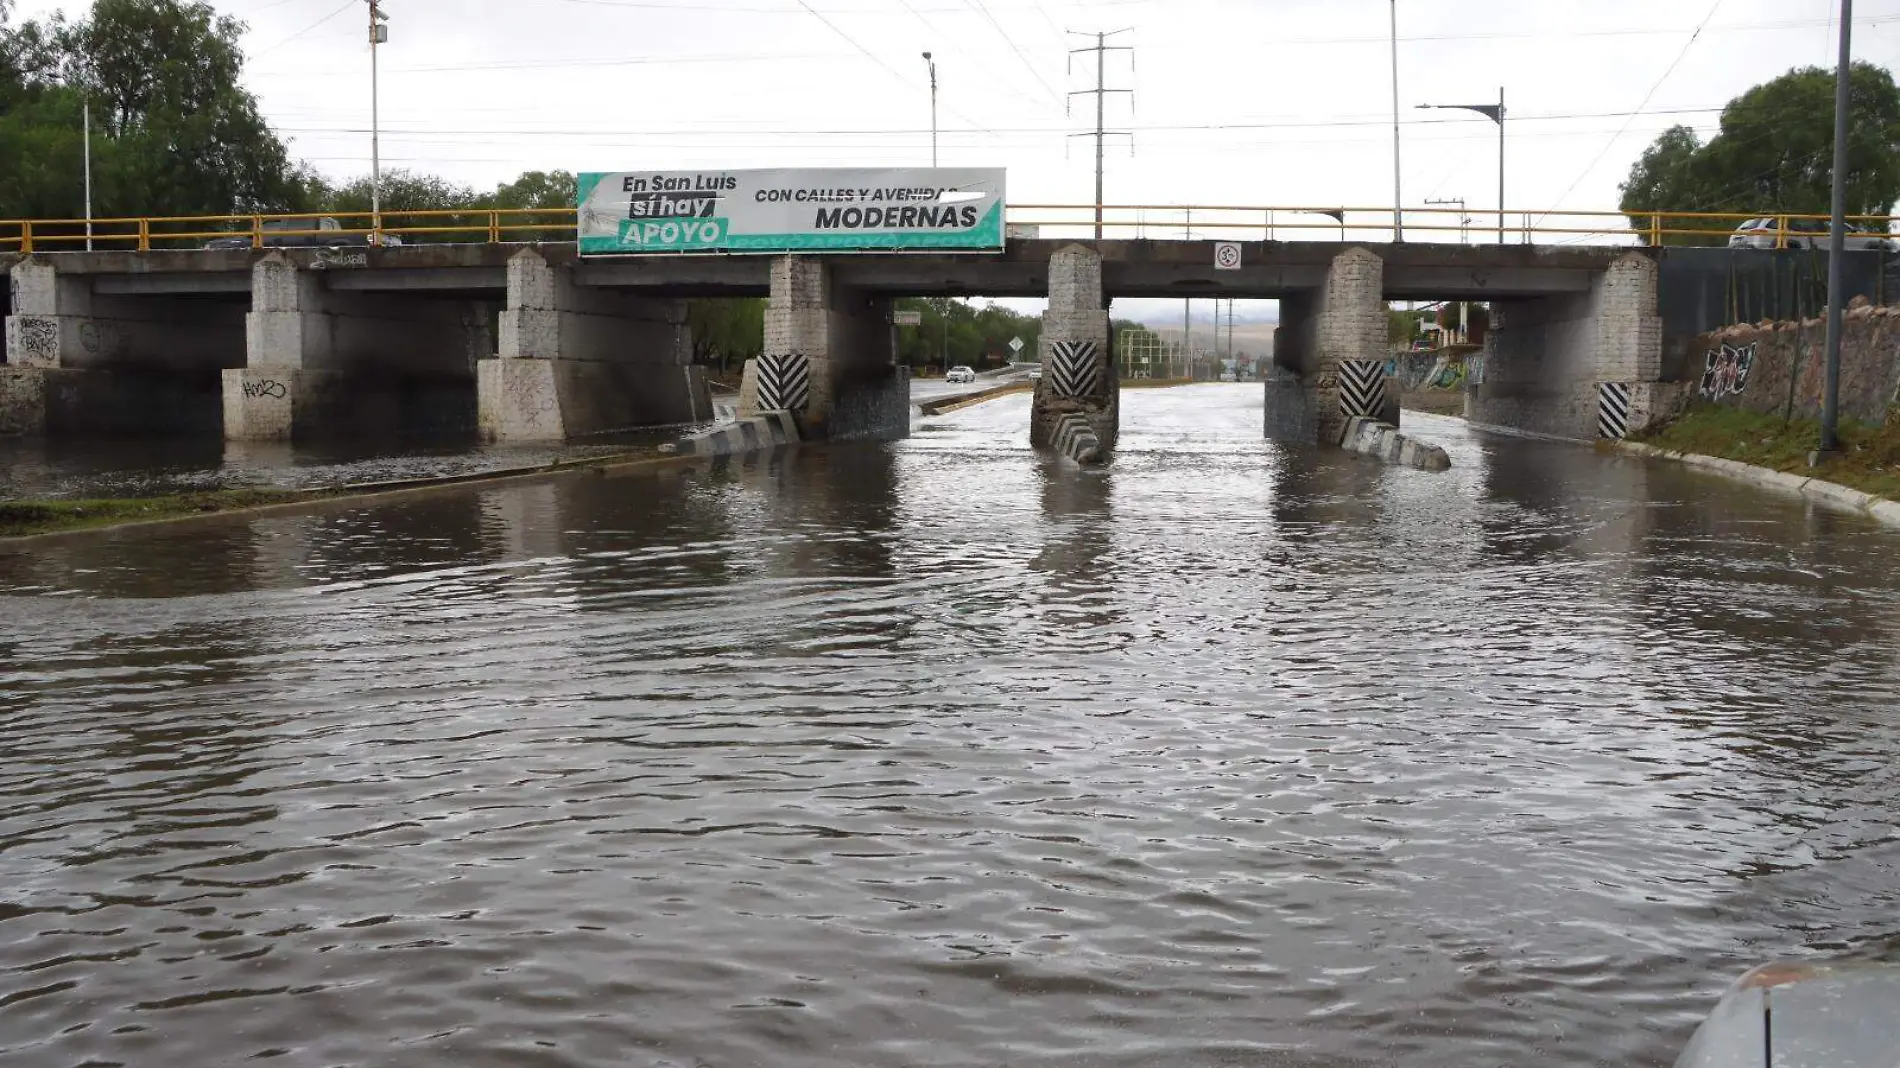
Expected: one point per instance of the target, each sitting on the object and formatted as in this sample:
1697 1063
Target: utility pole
1101 49
378 34
88 136
933 108
1837 244
1398 196
1464 221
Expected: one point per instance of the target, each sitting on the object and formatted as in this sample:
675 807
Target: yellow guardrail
1156 221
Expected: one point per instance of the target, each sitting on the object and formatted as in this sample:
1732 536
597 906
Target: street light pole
1837 242
378 34
1398 196
933 107
88 135
1494 112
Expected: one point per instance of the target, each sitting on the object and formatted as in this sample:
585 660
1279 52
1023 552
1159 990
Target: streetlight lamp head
926 55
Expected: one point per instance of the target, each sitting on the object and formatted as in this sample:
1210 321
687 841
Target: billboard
809 210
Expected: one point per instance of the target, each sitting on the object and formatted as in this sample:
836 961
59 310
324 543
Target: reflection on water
950 754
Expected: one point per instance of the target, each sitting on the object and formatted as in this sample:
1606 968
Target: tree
174 133
1774 155
726 330
538 189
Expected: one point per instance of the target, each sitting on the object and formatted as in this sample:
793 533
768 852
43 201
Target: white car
1806 233
959 374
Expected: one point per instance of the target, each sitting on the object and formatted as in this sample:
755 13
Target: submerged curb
772 430
1880 508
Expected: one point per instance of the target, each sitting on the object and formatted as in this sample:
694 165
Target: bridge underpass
539 344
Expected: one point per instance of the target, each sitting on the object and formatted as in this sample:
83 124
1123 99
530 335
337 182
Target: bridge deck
1130 268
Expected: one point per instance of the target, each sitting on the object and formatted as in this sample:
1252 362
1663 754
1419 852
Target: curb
773 430
1815 489
966 400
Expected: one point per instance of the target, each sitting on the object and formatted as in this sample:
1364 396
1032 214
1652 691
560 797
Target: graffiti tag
1449 376
1725 371
266 387
328 258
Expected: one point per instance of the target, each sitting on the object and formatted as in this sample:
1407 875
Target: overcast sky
1240 102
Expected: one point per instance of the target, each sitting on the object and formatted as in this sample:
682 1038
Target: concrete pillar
82 362
573 360
1330 354
1576 365
1078 372
829 358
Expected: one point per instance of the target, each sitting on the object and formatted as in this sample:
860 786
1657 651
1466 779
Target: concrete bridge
534 343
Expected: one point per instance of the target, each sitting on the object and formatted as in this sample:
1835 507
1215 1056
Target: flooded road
946 754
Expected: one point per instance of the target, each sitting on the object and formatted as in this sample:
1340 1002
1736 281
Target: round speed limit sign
1227 256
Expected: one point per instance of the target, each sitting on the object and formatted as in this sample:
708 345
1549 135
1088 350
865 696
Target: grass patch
1869 459
18 518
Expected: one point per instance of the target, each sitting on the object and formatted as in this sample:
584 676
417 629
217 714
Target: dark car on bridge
295 233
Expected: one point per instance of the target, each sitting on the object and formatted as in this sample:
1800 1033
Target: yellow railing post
145 234
1655 228
494 227
257 231
26 235
1781 231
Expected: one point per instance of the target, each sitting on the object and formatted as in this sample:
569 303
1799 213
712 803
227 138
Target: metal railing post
26 235
145 234
1655 229
494 227
257 231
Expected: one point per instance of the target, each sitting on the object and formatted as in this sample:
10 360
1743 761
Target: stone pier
320 361
1078 372
830 358
574 360
1575 365
1330 354
90 362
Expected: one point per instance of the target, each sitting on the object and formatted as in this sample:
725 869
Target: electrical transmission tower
1101 48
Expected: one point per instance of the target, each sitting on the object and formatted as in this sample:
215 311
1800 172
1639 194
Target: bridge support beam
829 358
82 362
574 360
1079 376
322 361
1578 365
1330 354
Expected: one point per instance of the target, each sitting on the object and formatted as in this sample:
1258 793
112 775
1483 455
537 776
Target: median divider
772 430
1382 441
946 405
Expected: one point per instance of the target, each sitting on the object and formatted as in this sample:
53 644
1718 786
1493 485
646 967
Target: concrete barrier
772 430
1075 438
1384 442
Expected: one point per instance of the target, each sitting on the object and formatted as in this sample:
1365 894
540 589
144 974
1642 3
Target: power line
1611 143
1007 39
347 4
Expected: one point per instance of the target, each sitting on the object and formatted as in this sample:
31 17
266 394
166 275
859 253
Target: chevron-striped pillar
829 358
1078 374
1330 352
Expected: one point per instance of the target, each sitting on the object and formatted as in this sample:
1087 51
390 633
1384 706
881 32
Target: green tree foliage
726 331
1774 155
538 189
174 133
956 332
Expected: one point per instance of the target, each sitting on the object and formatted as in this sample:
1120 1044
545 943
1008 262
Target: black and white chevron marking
1075 438
784 383
1073 370
1613 410
1362 388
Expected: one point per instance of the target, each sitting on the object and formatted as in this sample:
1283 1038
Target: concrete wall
1343 321
1778 368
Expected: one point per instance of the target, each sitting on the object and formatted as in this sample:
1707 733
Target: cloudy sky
1237 102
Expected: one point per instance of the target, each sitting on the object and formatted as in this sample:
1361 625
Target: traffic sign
1227 255
1016 345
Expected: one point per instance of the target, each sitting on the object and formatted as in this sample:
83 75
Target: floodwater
948 754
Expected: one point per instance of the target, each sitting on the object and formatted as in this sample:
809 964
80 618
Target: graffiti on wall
1450 374
1725 371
